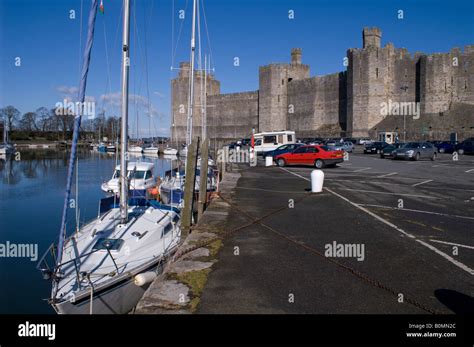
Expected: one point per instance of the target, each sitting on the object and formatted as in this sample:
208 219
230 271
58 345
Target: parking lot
414 218
430 200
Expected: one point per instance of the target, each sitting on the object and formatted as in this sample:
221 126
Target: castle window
445 87
278 98
290 79
283 82
465 84
377 72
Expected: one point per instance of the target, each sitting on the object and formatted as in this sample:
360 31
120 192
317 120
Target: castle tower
371 37
179 101
273 92
296 56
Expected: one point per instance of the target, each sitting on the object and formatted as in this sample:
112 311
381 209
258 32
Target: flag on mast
101 7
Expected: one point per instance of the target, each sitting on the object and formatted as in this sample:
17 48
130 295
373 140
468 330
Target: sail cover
77 124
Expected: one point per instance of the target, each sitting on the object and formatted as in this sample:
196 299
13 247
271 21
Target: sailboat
106 265
6 148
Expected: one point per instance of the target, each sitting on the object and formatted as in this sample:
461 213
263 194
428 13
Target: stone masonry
346 103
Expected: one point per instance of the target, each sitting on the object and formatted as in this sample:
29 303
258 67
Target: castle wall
317 102
232 116
348 103
446 78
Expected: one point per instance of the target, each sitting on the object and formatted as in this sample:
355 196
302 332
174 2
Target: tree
43 117
10 114
28 122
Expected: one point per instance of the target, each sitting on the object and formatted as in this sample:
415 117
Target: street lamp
404 88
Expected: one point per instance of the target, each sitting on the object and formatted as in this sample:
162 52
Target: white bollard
317 180
269 160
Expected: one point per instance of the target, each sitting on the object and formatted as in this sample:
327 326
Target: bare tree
10 114
28 122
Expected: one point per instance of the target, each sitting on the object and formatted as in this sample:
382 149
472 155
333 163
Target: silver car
415 151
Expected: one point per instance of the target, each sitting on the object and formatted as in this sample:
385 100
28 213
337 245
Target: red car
319 156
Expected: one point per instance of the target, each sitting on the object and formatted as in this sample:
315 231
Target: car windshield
137 174
283 147
411 145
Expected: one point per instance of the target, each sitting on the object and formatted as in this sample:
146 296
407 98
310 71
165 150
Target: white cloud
160 95
115 100
70 94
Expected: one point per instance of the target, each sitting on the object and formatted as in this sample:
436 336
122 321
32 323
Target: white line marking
389 174
364 169
419 211
388 193
453 244
417 184
434 249
469 170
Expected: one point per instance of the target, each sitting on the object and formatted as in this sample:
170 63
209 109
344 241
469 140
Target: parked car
318 156
388 150
283 149
374 147
330 142
446 146
245 142
348 146
415 151
364 141
465 147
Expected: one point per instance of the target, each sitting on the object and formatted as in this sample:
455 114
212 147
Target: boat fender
144 278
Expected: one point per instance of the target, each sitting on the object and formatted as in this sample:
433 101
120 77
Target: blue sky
259 32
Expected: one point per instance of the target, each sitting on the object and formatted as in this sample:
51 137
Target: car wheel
416 157
382 156
281 162
433 158
461 151
319 164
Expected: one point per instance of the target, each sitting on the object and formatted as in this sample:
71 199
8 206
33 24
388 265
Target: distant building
382 89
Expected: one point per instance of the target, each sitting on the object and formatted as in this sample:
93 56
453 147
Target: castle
346 103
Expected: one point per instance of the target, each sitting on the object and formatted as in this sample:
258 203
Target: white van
268 141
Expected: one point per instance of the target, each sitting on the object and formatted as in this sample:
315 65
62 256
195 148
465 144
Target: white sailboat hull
170 151
119 296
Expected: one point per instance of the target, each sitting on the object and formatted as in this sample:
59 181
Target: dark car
465 147
245 142
282 149
387 151
446 146
374 147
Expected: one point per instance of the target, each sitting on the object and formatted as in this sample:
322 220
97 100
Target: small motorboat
135 149
151 150
140 176
171 188
170 151
111 148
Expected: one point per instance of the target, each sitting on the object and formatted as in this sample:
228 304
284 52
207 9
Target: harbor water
31 199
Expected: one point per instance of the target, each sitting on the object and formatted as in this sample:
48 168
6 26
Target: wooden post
203 177
189 184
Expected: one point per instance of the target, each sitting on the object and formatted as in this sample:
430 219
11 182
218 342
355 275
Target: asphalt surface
409 265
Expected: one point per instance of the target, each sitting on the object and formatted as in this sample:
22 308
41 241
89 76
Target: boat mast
204 101
124 128
191 79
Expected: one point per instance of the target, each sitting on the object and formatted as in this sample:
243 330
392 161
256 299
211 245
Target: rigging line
179 34
79 77
207 34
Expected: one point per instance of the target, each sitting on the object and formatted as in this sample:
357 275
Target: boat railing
51 271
